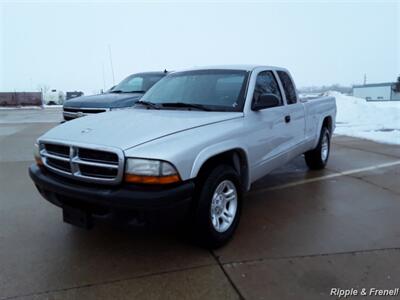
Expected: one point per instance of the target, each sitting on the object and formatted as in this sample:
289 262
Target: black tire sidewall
324 132
209 236
313 157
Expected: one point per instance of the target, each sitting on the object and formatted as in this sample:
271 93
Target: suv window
266 83
137 83
288 87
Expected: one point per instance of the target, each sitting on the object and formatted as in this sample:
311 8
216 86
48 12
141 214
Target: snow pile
377 121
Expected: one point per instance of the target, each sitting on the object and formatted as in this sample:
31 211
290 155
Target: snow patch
376 121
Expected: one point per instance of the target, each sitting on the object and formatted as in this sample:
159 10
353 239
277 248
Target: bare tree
44 88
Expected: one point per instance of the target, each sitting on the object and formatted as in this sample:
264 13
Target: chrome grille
72 113
101 165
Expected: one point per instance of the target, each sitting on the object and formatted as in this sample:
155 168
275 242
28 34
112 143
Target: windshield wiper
139 92
148 104
183 104
121 91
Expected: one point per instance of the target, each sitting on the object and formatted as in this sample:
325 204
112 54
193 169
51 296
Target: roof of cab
232 67
152 73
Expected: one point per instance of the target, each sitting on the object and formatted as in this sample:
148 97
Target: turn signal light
152 179
36 155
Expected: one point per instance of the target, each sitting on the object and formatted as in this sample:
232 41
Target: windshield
219 90
137 83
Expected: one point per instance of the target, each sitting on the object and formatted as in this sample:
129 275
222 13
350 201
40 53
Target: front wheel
317 158
218 207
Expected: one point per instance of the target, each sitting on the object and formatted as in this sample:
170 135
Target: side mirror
265 101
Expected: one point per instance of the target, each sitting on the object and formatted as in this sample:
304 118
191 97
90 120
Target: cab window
288 87
266 83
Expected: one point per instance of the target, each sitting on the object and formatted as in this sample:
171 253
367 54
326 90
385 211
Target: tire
317 158
220 184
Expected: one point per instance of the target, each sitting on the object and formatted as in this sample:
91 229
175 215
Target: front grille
98 171
83 163
57 149
70 113
96 155
59 164
85 110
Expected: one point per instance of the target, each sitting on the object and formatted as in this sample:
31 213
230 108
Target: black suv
123 95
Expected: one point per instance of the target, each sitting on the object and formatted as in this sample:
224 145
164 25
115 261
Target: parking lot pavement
29 115
301 234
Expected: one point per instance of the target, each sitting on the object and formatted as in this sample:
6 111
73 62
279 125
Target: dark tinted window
137 83
288 87
266 83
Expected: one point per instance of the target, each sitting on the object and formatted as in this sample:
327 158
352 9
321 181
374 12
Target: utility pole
111 63
365 79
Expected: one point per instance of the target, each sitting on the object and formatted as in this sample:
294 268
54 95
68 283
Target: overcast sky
65 45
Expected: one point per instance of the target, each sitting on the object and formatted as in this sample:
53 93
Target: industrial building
388 91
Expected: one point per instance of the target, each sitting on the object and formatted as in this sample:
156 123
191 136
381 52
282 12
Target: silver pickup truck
191 147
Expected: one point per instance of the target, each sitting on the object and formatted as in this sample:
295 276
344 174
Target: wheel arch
236 157
328 123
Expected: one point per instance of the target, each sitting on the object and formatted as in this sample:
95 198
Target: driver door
269 135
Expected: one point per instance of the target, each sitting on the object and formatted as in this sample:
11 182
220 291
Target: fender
216 149
320 122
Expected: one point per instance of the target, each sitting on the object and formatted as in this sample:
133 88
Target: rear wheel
218 207
317 158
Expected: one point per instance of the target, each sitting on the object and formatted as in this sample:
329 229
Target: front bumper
94 198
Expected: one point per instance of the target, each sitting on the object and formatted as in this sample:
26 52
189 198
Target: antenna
111 63
104 80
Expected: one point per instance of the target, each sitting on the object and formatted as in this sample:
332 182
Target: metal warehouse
388 91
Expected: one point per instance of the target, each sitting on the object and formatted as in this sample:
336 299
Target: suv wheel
317 158
218 207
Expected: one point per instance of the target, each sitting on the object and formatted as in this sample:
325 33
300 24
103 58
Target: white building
389 91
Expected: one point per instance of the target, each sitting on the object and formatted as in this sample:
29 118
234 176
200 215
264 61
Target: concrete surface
31 115
301 234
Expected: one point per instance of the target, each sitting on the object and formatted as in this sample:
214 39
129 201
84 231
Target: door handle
287 119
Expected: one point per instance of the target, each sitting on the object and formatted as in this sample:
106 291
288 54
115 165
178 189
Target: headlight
150 171
36 154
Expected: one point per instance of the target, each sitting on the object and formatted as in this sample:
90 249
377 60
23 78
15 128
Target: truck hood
131 127
107 100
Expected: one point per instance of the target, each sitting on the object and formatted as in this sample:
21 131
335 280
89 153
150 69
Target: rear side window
288 87
266 83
